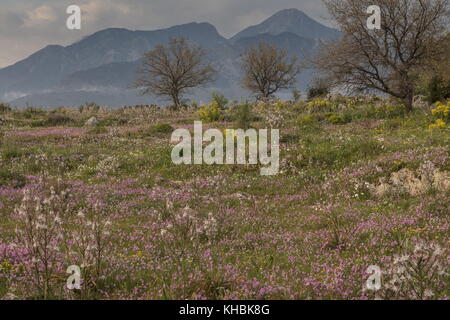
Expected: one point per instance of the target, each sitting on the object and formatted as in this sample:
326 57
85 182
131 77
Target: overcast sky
29 25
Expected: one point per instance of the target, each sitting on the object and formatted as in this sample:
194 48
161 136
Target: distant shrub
318 105
244 117
98 130
219 99
53 120
376 111
10 151
89 107
280 105
296 95
210 112
299 107
30 112
58 120
319 89
305 120
194 105
336 119
8 178
4 108
112 122
154 130
435 88
161 128
272 112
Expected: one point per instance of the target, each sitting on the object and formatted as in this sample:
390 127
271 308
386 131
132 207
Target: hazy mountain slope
101 67
115 74
290 20
47 67
293 44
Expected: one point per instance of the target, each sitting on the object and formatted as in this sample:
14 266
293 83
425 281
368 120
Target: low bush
5 108
305 120
98 130
10 151
8 178
244 117
161 128
319 89
219 99
441 114
336 119
210 112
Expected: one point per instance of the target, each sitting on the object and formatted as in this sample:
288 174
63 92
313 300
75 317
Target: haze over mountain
102 66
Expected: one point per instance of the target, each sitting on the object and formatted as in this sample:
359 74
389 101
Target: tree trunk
408 100
176 101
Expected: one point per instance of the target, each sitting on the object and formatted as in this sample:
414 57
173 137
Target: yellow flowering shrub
438 124
335 119
303 120
352 102
210 112
319 105
279 105
442 111
442 115
388 110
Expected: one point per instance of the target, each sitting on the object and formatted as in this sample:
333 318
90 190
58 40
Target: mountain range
101 67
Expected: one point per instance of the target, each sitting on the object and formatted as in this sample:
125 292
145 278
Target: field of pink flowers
360 184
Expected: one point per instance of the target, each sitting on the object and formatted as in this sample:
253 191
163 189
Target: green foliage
54 120
435 88
112 121
11 151
328 153
296 95
319 89
375 111
244 117
154 130
318 105
89 107
194 104
219 99
14 179
305 120
5 108
161 128
98 130
335 119
29 113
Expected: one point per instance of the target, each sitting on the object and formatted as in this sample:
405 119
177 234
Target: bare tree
386 59
171 70
268 69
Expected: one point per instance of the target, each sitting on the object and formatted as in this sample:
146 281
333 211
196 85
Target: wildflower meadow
361 183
